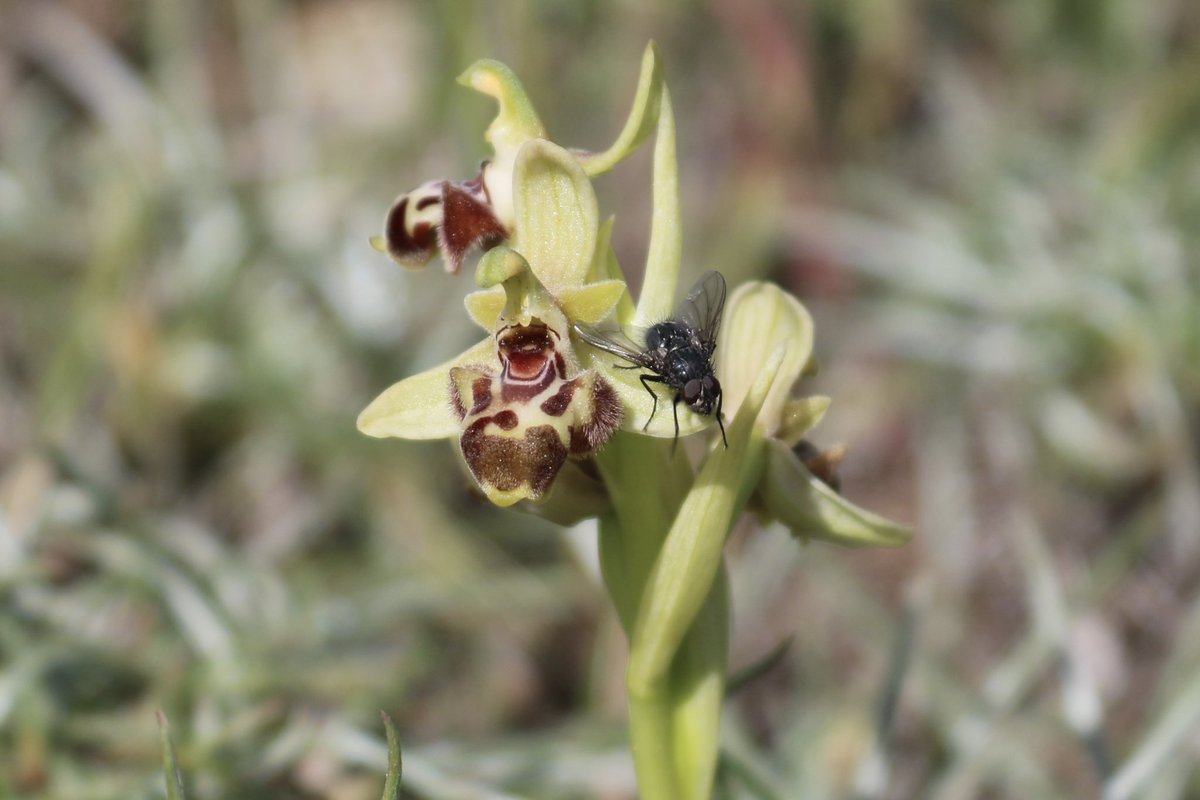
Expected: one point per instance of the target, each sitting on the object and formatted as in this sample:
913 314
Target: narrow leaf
171 774
391 786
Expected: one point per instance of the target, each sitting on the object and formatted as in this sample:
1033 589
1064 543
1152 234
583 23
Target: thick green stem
647 487
698 692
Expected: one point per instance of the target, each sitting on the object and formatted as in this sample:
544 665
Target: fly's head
702 395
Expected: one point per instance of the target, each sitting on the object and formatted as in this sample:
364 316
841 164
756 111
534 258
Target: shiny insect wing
678 351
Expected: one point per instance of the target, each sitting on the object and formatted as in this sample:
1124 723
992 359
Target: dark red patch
481 394
556 405
526 349
467 220
524 366
560 364
506 420
416 248
525 353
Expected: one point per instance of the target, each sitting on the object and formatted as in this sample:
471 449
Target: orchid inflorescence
545 417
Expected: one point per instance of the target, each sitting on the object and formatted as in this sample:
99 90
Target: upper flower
454 216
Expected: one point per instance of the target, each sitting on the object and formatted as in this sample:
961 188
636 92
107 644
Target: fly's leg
675 411
646 381
720 422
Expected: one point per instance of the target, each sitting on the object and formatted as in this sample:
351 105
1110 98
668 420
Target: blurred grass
990 208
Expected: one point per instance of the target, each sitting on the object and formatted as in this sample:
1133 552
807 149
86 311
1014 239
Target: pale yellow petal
592 302
484 306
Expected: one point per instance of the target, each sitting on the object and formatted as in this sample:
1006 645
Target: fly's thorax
668 336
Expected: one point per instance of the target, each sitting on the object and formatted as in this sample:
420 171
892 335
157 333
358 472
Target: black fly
678 352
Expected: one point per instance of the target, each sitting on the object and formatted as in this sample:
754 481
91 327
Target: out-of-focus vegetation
991 209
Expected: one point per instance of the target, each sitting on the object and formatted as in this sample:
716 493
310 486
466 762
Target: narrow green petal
642 117
484 306
690 557
517 120
761 316
800 416
556 215
814 511
657 299
419 407
592 302
606 267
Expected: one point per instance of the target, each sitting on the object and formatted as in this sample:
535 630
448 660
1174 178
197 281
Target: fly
677 352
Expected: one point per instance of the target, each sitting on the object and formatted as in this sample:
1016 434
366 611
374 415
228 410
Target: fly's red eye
691 391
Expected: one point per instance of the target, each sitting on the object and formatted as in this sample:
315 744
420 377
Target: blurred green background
992 209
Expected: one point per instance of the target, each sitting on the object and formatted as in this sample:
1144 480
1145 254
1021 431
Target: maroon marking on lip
525 338
560 364
506 420
426 202
556 405
507 463
481 395
523 366
514 388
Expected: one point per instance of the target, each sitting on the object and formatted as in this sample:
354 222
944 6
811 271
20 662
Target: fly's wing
616 342
701 309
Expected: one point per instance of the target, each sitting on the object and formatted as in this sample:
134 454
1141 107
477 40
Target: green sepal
812 510
661 276
760 317
556 215
799 416
418 407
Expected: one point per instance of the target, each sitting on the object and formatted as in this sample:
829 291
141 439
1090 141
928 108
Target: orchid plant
544 419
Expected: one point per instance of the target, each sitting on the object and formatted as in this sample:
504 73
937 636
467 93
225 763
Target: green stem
647 488
698 693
